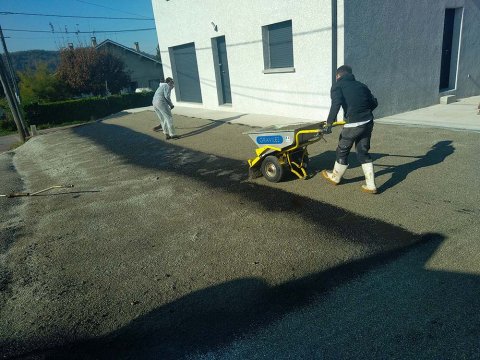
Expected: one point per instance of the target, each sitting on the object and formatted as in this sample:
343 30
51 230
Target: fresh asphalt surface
165 250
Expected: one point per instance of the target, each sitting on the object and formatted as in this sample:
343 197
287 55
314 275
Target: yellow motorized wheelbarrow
283 148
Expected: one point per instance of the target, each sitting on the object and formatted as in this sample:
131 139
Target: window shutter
280 45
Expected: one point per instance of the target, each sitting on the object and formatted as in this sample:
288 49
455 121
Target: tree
41 85
87 70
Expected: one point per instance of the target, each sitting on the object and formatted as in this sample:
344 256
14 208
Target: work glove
327 129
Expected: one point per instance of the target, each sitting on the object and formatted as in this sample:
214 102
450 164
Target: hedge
93 108
6 118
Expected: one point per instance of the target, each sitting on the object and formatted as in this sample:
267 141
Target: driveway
7 141
167 250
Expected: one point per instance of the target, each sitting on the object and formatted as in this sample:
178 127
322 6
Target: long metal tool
19 194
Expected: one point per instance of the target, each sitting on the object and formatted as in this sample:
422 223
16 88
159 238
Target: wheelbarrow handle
335 123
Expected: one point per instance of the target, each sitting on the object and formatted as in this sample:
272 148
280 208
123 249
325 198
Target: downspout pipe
334 40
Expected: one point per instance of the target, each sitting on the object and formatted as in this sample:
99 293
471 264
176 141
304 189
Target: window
278 47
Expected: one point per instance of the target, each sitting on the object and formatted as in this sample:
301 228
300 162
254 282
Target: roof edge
108 41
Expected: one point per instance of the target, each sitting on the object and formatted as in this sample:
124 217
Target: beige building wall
146 72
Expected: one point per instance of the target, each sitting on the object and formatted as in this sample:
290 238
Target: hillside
23 60
29 59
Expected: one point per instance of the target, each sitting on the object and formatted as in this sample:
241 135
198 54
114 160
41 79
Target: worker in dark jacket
358 103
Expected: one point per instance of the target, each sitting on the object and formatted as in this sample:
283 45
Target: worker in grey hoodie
163 108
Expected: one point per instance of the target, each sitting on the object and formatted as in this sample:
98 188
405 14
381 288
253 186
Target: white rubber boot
369 179
334 176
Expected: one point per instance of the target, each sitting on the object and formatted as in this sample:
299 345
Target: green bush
7 124
40 85
62 112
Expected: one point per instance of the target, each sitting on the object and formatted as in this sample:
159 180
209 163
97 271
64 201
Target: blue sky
17 41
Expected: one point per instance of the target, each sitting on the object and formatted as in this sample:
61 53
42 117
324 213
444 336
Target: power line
79 32
28 38
74 16
106 7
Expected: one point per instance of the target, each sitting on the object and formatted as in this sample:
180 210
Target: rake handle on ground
19 194
52 187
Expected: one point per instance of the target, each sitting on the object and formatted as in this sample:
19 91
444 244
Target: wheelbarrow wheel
271 168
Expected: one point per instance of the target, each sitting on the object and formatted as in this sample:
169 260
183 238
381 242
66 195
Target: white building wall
304 93
395 47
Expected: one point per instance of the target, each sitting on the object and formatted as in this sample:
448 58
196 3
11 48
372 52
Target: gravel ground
166 250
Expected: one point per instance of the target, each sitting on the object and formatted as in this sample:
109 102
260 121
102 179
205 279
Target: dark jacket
355 98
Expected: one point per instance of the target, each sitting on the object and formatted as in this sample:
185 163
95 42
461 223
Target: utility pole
10 66
12 101
13 95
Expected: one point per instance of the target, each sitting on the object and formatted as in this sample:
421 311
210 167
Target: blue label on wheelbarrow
272 139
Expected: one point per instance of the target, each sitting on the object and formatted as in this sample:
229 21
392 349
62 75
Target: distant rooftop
141 53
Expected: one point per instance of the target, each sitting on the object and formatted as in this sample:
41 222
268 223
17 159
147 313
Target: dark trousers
360 136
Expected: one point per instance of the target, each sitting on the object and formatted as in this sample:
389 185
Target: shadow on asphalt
213 317
212 125
438 153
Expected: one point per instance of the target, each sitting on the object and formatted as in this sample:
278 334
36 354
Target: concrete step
448 99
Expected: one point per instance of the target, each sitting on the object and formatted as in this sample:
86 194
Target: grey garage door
185 71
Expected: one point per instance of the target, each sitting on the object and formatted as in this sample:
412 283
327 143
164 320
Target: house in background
145 71
280 57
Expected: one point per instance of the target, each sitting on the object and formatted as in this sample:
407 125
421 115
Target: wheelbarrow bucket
280 147
283 136
283 147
